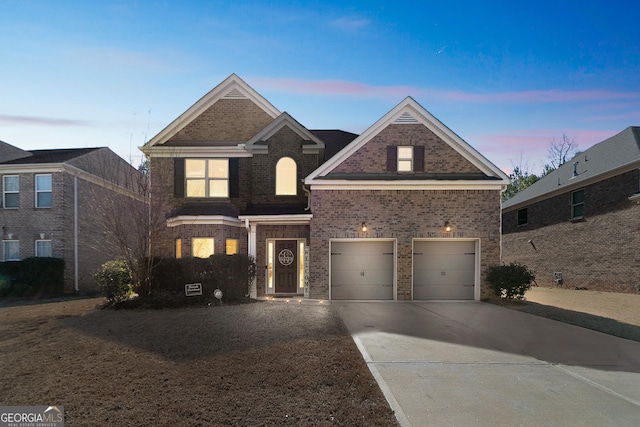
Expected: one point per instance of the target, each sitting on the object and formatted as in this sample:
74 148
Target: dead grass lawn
262 364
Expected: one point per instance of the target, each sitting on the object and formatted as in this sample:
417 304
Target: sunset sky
508 77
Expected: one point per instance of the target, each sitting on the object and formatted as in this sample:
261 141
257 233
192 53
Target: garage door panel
362 270
443 270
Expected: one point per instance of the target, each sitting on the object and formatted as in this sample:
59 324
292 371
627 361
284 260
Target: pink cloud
40 121
348 88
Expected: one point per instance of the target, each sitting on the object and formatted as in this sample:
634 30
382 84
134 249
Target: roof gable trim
233 87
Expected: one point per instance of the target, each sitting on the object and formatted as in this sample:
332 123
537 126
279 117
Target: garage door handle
362 273
469 253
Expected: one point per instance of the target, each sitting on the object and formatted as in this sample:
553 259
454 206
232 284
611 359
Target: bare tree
562 150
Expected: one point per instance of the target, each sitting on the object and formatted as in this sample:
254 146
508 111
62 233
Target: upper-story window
577 204
405 158
44 197
286 177
11 191
207 177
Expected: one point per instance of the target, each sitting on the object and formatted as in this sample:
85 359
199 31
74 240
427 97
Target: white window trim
35 182
206 179
405 159
280 177
43 240
5 192
4 252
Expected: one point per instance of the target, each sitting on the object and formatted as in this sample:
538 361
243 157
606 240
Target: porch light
363 228
447 226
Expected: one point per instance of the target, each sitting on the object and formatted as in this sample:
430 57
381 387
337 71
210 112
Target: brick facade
89 194
439 156
402 215
599 252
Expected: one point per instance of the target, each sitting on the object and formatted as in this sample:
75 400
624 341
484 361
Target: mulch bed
262 364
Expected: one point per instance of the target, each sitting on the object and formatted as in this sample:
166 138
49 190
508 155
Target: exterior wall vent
406 118
234 94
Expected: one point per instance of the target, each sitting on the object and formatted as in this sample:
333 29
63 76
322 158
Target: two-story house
579 226
407 210
53 202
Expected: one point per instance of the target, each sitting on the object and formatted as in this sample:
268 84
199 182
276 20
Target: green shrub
114 280
5 286
42 275
510 281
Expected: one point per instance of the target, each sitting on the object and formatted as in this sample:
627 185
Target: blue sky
507 77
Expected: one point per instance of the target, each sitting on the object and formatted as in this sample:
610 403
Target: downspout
75 232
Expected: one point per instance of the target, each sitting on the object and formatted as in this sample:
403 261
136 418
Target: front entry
286 266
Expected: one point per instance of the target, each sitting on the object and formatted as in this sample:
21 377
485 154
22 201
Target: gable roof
410 112
334 140
11 152
50 156
281 121
610 157
233 87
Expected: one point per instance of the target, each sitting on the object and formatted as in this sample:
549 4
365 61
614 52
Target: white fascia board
32 168
215 94
204 220
430 122
289 219
210 152
405 185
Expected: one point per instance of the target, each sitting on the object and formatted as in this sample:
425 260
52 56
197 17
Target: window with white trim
11 191
44 195
207 177
11 250
286 177
44 248
405 159
201 247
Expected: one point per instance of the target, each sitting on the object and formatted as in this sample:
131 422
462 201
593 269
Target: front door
286 266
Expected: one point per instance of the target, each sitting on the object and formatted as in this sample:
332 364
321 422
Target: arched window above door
286 177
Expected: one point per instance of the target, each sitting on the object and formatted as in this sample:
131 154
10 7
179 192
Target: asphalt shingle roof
616 152
50 156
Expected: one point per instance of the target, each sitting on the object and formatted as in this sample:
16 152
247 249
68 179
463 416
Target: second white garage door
362 270
444 270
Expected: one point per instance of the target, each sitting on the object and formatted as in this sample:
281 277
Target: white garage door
443 270
362 270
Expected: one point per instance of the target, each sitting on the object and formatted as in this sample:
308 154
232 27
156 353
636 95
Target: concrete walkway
477 364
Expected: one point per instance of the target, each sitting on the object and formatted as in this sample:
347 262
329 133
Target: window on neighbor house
577 204
207 177
44 248
201 247
11 250
178 248
231 247
11 191
286 177
44 197
523 217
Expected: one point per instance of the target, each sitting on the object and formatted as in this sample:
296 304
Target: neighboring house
53 202
579 226
407 210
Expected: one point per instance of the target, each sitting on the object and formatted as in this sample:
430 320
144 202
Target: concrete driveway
477 364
